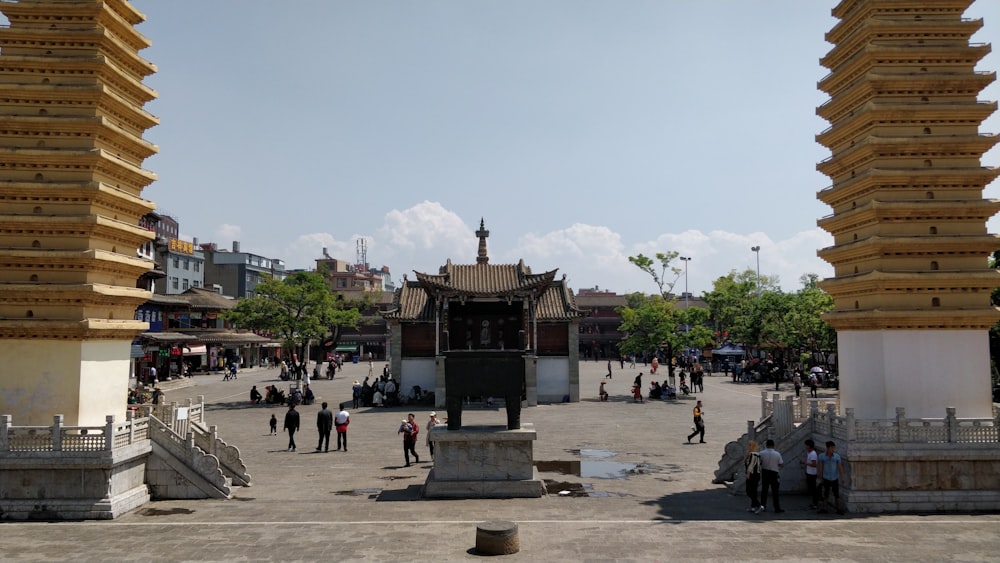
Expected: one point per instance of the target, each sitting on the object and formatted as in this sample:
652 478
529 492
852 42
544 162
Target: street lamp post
687 303
756 250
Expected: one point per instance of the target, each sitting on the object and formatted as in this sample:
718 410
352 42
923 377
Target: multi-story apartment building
239 273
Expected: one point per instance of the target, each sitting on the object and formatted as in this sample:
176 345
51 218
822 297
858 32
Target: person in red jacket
409 429
340 422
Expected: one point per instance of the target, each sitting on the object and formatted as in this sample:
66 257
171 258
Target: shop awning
167 337
346 348
230 337
195 350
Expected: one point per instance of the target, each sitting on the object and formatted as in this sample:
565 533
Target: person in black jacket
324 424
291 425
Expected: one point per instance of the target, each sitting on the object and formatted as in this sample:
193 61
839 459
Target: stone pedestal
48 485
484 462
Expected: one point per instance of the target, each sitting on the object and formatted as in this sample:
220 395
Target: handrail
62 438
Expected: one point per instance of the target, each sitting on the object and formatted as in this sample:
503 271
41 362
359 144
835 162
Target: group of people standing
326 422
763 468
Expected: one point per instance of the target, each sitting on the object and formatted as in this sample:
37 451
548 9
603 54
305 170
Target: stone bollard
497 537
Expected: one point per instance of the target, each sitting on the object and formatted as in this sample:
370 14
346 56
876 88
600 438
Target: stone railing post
148 409
173 417
763 404
902 430
851 430
952 423
130 419
6 421
213 435
831 413
109 432
57 427
751 430
201 411
189 444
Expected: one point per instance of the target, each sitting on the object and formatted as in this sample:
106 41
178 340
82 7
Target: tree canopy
299 309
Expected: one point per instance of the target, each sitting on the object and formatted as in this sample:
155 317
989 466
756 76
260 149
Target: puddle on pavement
593 469
243 499
556 488
164 512
593 464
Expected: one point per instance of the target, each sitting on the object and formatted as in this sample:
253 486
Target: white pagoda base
923 371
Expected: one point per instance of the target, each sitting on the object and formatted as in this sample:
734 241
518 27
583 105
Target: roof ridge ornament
483 234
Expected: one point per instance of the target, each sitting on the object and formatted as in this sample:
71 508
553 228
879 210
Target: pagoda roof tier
911 85
78 70
23 100
88 329
874 212
875 180
896 114
861 9
82 40
32 11
913 319
879 247
932 32
88 294
938 282
75 229
90 196
957 57
90 266
93 161
874 148
89 132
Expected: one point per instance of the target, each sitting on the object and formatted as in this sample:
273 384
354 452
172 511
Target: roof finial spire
482 233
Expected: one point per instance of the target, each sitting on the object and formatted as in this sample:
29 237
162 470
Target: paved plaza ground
364 504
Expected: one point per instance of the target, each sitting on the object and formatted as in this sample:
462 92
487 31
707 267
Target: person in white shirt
810 466
770 465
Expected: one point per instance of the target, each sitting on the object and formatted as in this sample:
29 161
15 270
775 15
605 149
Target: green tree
299 309
651 323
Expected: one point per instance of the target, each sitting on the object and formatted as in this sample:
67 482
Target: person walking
291 425
699 423
356 391
831 467
341 421
324 424
770 465
409 430
751 462
810 465
274 425
431 423
608 376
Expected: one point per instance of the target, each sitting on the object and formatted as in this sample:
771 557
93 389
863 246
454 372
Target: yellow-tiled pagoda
911 281
71 179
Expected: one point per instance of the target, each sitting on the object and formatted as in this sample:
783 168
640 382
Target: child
274 426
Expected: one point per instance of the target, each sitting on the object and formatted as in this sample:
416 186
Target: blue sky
582 131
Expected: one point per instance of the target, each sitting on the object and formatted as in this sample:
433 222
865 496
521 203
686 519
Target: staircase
178 469
189 459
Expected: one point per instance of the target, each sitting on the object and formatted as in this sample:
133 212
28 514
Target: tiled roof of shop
201 298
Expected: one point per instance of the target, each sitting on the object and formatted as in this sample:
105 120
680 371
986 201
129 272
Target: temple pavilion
482 320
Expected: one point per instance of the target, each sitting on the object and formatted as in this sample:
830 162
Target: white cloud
227 232
423 237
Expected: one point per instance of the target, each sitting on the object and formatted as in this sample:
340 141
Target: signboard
182 413
181 246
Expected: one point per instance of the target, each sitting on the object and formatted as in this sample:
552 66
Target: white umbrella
816 369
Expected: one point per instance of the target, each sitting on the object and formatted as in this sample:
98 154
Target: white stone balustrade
61 438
